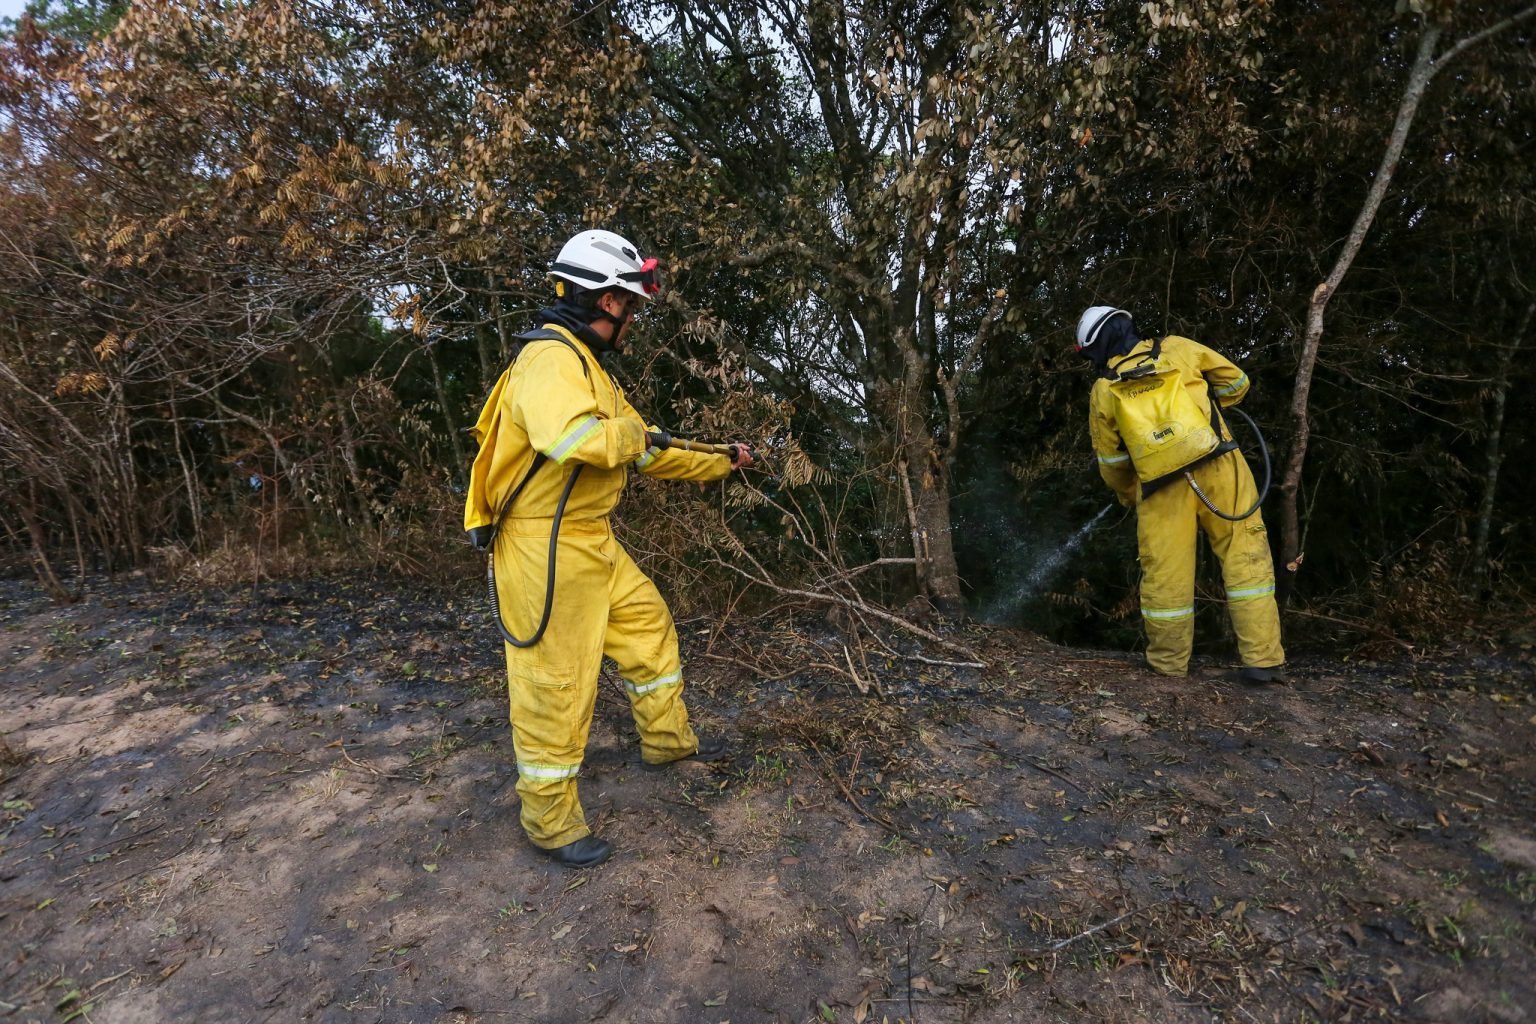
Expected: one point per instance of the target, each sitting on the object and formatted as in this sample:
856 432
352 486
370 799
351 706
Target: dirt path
296 804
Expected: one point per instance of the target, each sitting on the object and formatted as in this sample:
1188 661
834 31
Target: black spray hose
1263 491
662 440
549 585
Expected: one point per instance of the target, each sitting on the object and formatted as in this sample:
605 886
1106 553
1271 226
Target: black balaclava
572 313
1117 337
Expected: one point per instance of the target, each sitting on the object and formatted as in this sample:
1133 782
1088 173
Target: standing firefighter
564 581
1162 444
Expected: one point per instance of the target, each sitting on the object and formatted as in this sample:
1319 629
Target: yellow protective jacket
560 402
1201 368
550 401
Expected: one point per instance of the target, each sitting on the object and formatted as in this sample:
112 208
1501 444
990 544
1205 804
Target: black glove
481 537
658 438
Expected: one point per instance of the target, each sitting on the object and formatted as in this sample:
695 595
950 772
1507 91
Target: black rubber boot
710 749
586 852
1251 675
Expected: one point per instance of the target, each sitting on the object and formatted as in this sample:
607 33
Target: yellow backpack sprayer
1164 431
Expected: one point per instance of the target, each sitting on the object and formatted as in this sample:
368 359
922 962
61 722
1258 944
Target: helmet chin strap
581 318
617 321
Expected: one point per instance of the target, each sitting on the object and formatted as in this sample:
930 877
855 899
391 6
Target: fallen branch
1363 628
973 660
938 661
1033 764
341 745
757 670
1054 774
857 681
1057 947
883 822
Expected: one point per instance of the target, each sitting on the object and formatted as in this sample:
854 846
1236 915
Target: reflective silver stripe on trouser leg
641 689
1168 613
533 770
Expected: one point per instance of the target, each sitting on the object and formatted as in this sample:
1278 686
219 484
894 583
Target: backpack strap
546 334
1146 363
539 458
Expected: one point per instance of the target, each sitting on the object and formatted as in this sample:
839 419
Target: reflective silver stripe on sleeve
640 689
531 770
647 457
1234 387
1113 460
561 449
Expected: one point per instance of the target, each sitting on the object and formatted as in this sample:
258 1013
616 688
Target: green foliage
77 21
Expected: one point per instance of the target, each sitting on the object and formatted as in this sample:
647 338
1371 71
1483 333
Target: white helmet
1092 321
602 259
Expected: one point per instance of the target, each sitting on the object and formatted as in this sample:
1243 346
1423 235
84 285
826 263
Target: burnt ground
296 803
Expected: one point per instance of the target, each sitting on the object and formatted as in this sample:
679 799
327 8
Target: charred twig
1363 628
1054 774
857 606
150 867
1057 947
372 770
883 822
993 749
857 680
107 981
937 661
757 670
123 840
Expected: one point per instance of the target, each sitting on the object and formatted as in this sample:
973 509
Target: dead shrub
11 758
1416 600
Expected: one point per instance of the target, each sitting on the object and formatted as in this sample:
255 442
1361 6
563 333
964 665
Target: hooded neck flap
573 317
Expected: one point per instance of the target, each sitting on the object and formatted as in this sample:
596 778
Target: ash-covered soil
295 802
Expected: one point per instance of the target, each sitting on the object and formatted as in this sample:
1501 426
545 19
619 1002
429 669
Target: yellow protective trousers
603 605
1167 521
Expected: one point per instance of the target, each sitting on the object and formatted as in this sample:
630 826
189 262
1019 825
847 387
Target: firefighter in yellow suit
556 400
1168 512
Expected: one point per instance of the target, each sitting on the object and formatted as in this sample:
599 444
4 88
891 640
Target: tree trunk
1425 66
1291 554
194 487
127 512
925 486
41 564
460 458
354 474
503 340
933 531
1495 458
483 333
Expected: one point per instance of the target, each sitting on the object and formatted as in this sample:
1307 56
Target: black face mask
577 319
